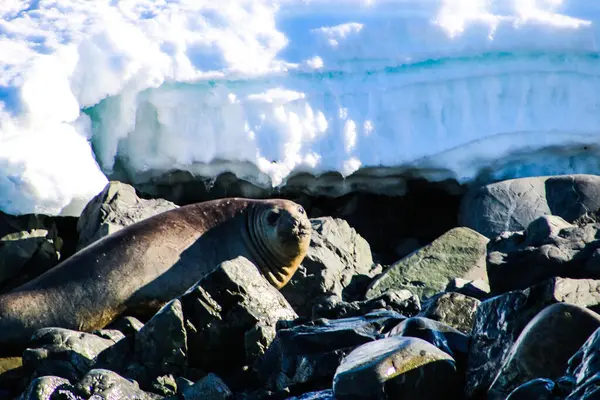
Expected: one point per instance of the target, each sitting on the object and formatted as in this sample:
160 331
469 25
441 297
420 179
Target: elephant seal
141 267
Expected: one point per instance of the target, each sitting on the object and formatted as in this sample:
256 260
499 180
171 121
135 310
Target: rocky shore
503 304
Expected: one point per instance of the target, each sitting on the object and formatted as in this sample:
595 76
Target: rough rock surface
339 261
459 253
310 353
584 369
544 347
453 309
549 247
500 320
333 307
512 205
116 207
396 368
105 384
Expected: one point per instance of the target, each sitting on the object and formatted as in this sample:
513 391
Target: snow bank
451 88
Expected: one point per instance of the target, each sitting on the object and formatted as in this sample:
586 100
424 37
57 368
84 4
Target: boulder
308 354
396 368
549 247
46 388
512 205
500 320
105 384
453 309
544 347
116 207
339 262
332 307
211 387
459 253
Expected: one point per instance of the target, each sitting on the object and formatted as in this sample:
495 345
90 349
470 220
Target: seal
141 267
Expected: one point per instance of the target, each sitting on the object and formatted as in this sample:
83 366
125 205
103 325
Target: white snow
269 88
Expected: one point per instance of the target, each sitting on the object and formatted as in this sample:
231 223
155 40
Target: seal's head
280 234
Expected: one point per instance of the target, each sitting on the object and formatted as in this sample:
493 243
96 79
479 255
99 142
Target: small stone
453 309
394 368
211 387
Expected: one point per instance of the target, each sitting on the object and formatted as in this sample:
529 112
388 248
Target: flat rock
116 207
309 353
339 261
549 247
332 307
459 253
512 205
500 320
544 347
396 368
453 309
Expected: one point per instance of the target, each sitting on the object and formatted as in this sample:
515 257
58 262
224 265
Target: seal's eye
300 210
272 218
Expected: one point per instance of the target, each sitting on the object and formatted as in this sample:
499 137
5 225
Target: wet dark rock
459 253
63 353
333 307
46 388
453 309
513 204
116 207
230 316
500 320
549 247
339 261
539 389
396 367
211 387
584 370
451 341
478 289
320 395
544 347
308 354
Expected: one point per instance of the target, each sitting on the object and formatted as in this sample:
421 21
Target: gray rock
396 368
211 387
500 320
105 384
449 340
333 307
460 253
116 207
45 387
549 247
513 204
221 310
453 309
339 261
544 347
309 353
63 352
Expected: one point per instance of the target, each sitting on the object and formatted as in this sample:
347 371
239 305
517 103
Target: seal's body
145 265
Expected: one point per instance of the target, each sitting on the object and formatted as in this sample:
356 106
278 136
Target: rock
116 207
333 307
550 247
339 261
127 325
449 340
460 252
544 347
584 369
46 388
105 384
63 352
165 385
320 395
308 354
453 309
478 289
539 389
27 254
211 387
513 204
221 310
396 368
500 320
